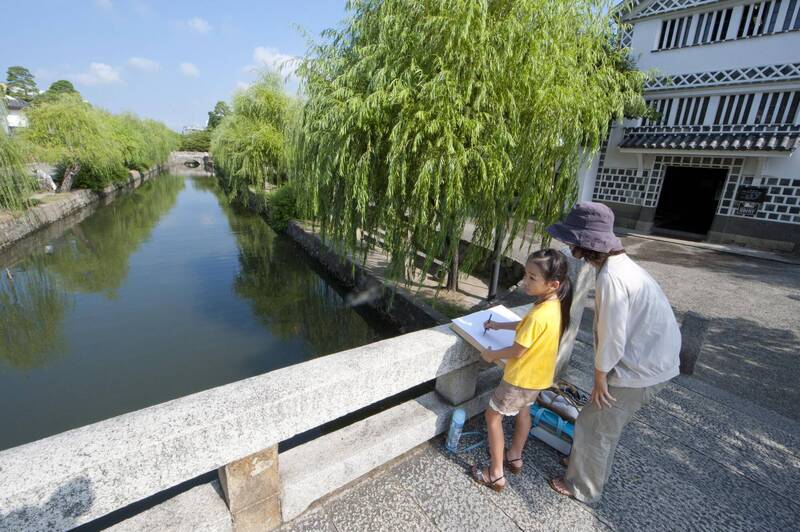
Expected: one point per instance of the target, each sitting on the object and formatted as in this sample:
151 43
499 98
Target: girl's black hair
553 265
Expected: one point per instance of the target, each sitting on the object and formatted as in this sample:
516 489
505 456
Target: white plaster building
15 114
720 164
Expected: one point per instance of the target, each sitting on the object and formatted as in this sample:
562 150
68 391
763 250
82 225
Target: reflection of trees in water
32 306
287 296
90 257
93 256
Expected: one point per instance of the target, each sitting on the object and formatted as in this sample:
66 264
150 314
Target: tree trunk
69 173
545 236
452 276
498 257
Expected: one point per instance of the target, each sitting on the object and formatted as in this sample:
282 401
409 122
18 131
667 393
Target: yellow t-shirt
539 331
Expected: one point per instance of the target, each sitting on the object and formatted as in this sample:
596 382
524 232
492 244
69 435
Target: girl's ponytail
564 294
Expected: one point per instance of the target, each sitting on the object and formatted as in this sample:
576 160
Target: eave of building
633 14
747 140
755 75
723 90
707 153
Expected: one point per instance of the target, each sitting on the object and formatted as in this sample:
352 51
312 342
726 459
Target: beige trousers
597 433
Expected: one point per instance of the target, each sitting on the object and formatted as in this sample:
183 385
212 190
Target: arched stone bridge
191 161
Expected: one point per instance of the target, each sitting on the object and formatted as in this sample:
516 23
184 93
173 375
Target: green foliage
20 83
195 141
55 90
221 110
69 132
282 204
16 183
250 145
422 115
144 143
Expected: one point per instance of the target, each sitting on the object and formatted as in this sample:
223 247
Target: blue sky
167 60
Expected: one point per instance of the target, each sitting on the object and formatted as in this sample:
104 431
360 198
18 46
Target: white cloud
199 25
98 74
242 85
104 4
188 69
142 63
273 59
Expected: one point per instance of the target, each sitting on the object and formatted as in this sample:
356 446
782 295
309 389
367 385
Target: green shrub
195 141
282 205
93 174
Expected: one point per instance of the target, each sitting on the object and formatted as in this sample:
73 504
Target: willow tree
72 134
422 115
250 144
16 182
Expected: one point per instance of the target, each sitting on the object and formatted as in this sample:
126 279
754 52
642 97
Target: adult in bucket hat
590 226
636 342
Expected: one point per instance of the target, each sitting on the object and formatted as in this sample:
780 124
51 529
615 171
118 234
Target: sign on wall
746 208
752 194
749 199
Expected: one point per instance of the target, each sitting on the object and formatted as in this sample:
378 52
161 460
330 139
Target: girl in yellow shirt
531 361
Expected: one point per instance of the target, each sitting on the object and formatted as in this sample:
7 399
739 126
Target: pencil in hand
485 328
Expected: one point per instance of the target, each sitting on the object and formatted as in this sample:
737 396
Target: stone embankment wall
392 302
55 206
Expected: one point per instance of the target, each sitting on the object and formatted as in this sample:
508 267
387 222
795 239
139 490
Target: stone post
252 488
582 276
459 385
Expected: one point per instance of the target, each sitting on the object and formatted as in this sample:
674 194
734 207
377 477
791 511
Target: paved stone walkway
697 458
753 306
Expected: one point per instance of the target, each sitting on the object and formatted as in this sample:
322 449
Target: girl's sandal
480 478
560 489
509 464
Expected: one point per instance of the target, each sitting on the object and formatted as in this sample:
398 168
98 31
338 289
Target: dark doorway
689 199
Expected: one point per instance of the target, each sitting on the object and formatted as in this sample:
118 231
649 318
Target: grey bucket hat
588 225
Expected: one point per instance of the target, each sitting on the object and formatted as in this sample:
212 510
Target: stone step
325 464
199 509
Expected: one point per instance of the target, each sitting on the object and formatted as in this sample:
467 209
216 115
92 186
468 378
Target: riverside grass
422 115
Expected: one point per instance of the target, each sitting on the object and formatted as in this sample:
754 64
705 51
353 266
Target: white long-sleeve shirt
637 340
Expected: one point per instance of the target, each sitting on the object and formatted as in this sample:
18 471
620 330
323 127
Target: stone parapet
77 476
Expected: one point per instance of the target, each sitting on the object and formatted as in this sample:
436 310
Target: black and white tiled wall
629 186
783 199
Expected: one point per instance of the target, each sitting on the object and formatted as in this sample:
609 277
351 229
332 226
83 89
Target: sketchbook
470 327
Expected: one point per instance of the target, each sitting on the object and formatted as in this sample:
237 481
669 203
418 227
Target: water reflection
93 256
289 297
32 306
167 291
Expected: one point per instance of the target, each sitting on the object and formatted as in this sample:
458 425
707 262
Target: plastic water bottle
456 425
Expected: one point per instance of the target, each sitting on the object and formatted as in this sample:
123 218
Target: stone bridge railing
80 475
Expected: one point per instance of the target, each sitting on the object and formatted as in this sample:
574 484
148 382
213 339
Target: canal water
167 291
